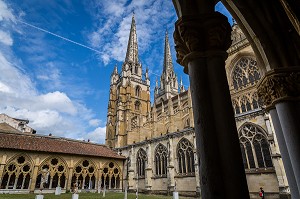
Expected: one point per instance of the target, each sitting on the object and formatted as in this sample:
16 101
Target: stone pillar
284 154
148 172
202 37
2 165
280 93
197 163
132 170
33 178
171 162
69 185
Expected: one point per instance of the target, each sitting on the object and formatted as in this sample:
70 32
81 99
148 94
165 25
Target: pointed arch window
138 91
137 105
255 147
53 173
17 173
111 176
245 73
141 162
85 174
161 160
185 157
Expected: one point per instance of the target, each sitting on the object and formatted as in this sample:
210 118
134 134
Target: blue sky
62 87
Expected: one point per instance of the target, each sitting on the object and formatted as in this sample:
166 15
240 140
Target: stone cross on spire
132 48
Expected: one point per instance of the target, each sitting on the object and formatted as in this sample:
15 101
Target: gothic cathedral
158 138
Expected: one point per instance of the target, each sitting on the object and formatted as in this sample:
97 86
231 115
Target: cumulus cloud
98 135
52 111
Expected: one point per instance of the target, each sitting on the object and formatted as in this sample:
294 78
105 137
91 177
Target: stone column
69 185
2 165
171 163
202 37
197 163
279 91
33 178
148 166
284 154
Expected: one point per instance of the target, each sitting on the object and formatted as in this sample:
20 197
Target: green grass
109 195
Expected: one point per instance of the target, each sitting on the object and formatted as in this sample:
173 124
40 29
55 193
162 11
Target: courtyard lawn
109 195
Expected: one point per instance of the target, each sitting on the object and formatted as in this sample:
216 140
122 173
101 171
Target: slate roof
34 142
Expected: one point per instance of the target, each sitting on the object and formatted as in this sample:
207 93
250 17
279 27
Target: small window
137 105
138 91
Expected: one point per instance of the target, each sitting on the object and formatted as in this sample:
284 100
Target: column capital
201 36
282 84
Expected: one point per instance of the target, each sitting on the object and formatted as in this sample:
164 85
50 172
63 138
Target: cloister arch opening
54 172
85 174
17 173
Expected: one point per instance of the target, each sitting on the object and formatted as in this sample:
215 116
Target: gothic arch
137 105
245 72
17 172
138 91
185 157
141 162
111 175
54 171
161 160
85 174
254 146
236 58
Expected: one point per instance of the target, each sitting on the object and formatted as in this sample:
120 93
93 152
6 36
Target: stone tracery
85 174
185 155
245 73
17 173
255 147
111 176
56 171
161 160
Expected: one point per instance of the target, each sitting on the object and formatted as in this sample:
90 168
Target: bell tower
129 99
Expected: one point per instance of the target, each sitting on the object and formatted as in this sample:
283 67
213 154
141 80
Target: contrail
66 39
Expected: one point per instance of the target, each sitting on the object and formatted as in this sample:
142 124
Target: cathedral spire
168 65
132 48
168 79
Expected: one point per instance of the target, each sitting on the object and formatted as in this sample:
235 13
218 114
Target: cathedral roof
40 143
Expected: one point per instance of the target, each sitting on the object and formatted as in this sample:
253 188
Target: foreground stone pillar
201 42
280 90
284 154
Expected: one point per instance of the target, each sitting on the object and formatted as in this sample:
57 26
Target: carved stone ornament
201 36
279 85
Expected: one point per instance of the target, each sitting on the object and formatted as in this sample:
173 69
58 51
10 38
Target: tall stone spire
132 48
168 80
168 65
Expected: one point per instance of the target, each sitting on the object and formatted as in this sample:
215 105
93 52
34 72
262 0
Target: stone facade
159 140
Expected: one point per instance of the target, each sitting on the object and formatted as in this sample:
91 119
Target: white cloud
58 101
5 38
5 12
94 122
4 88
52 111
98 135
